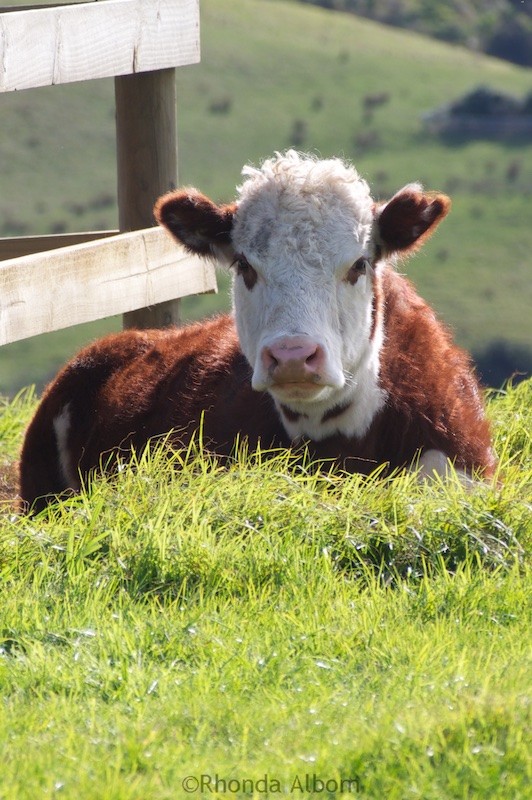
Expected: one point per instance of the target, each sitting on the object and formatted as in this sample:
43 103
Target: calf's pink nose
300 352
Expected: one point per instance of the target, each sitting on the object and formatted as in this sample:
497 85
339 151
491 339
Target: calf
328 345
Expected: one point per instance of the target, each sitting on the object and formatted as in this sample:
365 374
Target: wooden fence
52 282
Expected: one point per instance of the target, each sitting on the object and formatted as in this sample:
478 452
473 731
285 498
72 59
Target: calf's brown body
130 387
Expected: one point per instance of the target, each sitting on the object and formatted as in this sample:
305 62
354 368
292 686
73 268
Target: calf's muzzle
293 359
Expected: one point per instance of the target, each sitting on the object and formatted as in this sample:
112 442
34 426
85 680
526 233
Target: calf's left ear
409 218
195 221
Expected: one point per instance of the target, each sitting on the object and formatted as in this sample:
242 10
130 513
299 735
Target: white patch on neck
61 425
362 396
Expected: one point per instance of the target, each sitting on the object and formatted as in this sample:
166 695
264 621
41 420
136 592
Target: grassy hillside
270 621
273 75
498 27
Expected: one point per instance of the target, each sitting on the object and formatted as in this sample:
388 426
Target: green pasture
186 630
275 75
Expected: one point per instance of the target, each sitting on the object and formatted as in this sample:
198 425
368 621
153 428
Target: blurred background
406 89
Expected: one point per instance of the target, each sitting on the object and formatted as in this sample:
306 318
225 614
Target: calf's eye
359 268
246 271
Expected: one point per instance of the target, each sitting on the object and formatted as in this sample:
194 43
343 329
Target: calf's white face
302 303
304 240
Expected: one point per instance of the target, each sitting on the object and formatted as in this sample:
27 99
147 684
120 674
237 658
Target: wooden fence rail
83 41
44 292
45 285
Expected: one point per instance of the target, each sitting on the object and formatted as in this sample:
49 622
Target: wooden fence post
146 141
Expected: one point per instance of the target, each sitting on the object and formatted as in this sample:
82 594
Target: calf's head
305 241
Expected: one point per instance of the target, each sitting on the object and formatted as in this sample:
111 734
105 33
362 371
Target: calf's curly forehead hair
292 173
301 190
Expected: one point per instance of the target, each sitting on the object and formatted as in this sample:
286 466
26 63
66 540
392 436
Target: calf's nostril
274 362
312 359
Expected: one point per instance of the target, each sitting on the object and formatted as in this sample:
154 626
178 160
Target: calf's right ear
199 224
409 218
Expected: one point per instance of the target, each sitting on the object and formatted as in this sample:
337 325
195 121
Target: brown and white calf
329 345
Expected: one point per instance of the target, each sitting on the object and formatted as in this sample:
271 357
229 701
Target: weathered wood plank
33 6
17 246
47 291
95 40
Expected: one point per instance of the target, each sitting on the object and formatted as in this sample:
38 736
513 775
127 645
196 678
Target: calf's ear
409 218
199 224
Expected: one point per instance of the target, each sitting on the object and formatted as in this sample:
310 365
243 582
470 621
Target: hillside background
502 28
277 74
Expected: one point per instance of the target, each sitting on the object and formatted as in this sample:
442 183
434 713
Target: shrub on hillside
502 28
501 361
512 40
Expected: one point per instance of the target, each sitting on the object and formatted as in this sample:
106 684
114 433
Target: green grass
276 64
268 619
